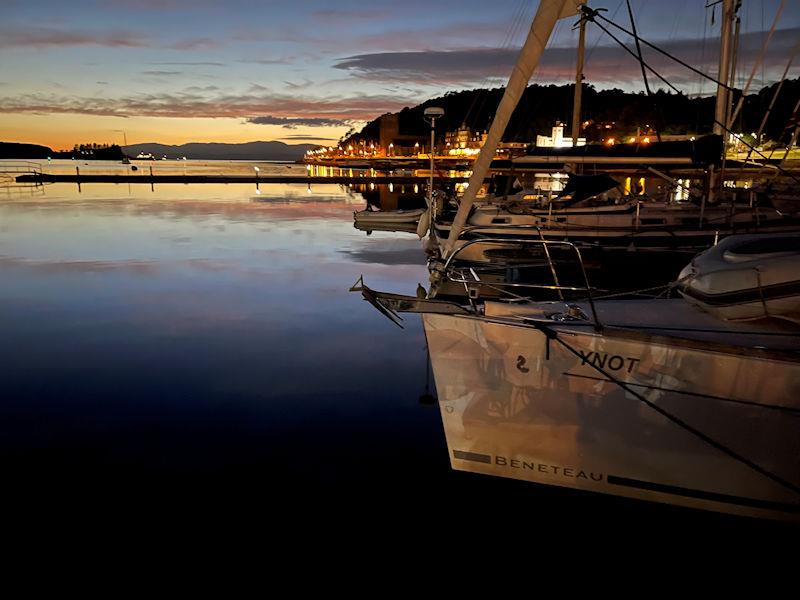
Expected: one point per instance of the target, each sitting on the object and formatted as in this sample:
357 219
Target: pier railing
468 274
11 170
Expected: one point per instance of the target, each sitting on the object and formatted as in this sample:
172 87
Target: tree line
542 105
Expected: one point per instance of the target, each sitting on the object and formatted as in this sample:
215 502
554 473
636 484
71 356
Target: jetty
41 178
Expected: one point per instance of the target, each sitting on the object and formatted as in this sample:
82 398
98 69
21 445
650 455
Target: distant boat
145 156
388 216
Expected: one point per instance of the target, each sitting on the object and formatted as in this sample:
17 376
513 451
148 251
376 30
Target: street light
431 114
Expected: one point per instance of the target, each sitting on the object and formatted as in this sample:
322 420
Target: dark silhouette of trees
542 105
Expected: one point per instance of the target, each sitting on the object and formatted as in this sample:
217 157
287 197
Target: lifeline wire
552 335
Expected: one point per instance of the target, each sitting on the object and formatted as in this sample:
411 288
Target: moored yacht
627 221
614 220
657 399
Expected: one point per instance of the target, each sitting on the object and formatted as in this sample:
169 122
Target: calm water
200 341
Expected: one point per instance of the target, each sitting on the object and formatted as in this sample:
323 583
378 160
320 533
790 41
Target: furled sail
548 13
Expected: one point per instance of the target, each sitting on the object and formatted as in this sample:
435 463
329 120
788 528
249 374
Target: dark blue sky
200 70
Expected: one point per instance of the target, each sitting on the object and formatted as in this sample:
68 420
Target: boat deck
675 320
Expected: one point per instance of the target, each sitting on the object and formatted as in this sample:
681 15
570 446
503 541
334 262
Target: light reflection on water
207 332
204 301
164 167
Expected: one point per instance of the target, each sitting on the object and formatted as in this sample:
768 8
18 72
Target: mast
576 105
724 78
547 14
724 71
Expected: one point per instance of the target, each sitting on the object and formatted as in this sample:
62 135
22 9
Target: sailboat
620 219
691 400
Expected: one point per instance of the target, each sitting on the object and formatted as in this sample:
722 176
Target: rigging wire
778 168
600 37
760 59
778 89
633 54
657 115
511 34
762 29
592 14
551 334
701 80
783 409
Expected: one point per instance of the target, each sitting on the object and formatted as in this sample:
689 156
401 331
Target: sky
306 71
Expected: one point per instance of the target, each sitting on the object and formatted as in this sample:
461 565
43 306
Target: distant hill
15 150
542 105
216 151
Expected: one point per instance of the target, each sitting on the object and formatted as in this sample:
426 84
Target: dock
39 178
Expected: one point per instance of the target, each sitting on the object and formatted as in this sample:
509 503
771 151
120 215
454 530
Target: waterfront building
393 143
464 141
557 139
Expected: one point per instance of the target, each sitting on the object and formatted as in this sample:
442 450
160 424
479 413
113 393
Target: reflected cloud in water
192 332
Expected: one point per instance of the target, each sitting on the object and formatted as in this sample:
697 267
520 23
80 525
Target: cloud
268 61
47 37
306 83
308 137
164 5
364 36
447 37
349 16
41 37
605 64
194 44
287 110
162 73
430 67
198 89
187 64
294 122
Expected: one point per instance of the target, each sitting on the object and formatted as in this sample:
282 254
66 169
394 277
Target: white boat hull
746 277
652 226
510 409
388 217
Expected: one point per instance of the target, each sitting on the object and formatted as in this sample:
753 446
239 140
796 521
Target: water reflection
152 332
205 334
